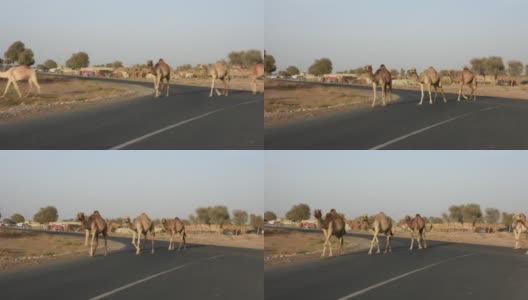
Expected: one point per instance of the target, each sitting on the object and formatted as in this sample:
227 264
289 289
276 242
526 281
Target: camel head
126 220
368 69
80 216
317 214
382 66
150 63
163 221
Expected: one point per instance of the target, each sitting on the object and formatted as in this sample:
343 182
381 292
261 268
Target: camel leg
7 88
86 236
389 244
443 95
138 244
474 92
152 238
372 244
412 240
516 234
15 84
168 87
465 97
423 240
422 89
170 241
254 85
374 90
383 94
378 245
30 88
182 240
459 92
106 244
341 243
430 99
35 82
92 245
212 88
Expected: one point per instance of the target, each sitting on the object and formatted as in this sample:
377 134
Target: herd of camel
334 225
429 78
95 225
161 72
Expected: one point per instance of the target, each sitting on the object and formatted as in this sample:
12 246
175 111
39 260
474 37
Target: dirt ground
251 241
515 92
289 101
283 247
242 84
60 94
22 249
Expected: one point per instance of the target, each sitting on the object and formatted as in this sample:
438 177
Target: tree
46 215
492 215
292 70
202 216
50 64
17 218
256 222
298 212
507 220
219 214
269 64
515 68
26 57
78 60
245 58
269 216
455 213
445 217
394 73
12 53
116 64
494 66
320 67
478 65
240 217
471 213
402 73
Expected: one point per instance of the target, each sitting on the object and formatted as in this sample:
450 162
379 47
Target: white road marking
429 127
150 277
146 136
355 294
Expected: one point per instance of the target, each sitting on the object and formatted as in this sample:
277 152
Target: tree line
470 213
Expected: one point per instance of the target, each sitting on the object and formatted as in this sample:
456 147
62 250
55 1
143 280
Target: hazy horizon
398 183
160 183
400 34
134 31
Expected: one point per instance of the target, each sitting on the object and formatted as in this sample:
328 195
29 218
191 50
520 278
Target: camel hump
96 212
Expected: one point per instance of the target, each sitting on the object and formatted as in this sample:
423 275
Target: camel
466 77
381 224
519 226
331 225
18 73
383 78
417 226
142 226
174 226
216 71
254 72
430 78
161 72
97 226
85 224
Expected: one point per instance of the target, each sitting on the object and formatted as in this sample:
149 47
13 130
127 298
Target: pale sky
133 31
160 183
398 183
400 34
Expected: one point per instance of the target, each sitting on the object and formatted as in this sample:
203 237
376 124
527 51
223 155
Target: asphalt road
488 123
442 271
187 119
199 272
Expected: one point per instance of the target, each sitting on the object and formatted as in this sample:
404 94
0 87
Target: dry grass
288 101
60 94
516 92
19 249
282 247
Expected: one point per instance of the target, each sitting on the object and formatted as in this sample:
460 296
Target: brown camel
429 78
161 72
519 226
18 73
383 78
175 226
331 225
216 71
98 226
85 224
380 224
466 77
142 226
254 72
417 226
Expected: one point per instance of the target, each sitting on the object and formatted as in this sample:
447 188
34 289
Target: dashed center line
377 285
429 127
